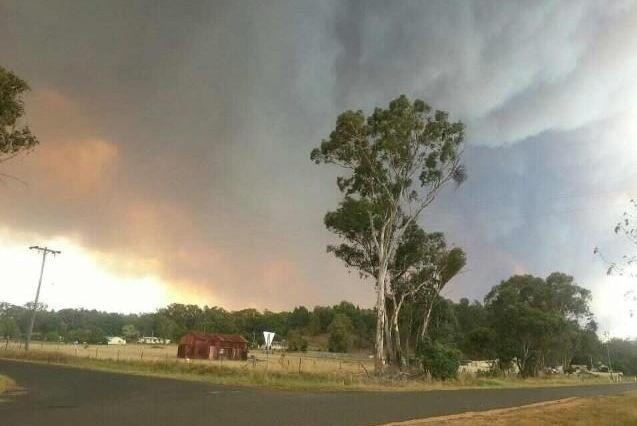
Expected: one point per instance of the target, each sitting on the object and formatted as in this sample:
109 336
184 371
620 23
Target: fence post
299 365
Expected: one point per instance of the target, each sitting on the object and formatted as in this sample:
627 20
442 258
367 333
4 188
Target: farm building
151 340
212 346
115 341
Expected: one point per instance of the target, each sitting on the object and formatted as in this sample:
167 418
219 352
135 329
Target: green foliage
13 138
174 320
299 317
341 333
91 336
440 361
531 316
130 332
398 159
393 146
51 336
9 328
480 343
624 355
296 342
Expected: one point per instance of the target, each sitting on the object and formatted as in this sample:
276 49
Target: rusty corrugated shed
198 345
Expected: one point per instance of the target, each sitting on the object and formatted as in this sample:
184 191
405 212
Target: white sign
268 336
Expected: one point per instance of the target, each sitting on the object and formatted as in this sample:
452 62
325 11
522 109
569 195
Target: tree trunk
425 322
389 348
379 356
407 352
397 352
400 359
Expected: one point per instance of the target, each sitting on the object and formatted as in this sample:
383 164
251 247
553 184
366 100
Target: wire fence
312 362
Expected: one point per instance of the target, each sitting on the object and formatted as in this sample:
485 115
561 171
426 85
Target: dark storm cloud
200 117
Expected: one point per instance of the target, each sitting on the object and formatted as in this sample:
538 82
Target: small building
151 340
280 346
115 340
195 345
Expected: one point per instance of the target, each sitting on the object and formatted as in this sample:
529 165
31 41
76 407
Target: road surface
62 396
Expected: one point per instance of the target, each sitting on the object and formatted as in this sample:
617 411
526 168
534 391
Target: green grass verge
304 381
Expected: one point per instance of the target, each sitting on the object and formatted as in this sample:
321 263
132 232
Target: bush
341 330
52 336
441 361
296 342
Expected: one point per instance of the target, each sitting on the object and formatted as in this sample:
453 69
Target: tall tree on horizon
397 160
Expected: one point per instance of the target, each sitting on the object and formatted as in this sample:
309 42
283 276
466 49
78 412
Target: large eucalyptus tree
396 160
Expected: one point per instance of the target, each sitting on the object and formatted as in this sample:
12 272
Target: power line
44 251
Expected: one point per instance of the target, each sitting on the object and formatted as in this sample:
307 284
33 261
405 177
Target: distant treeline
451 322
533 322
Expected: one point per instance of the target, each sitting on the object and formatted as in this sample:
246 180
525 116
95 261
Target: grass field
6 384
607 410
294 371
313 362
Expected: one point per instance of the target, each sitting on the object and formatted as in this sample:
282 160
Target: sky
175 139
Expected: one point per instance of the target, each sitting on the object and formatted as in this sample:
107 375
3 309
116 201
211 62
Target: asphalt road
61 396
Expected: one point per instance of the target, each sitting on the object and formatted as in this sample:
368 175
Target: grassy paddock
603 410
278 371
6 384
310 362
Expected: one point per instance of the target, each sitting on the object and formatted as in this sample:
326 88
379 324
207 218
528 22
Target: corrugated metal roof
230 338
234 338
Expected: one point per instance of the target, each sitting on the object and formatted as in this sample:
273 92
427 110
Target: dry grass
6 384
231 373
295 371
310 362
602 410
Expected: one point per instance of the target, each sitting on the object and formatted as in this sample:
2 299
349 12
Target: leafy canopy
13 138
529 314
403 153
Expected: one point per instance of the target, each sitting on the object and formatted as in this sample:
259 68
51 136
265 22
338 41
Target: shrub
441 361
341 330
296 342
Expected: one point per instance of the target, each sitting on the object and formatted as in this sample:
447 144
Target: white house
115 341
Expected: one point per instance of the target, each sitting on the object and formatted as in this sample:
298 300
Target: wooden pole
37 296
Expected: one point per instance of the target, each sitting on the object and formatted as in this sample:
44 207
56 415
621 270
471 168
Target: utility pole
44 251
610 365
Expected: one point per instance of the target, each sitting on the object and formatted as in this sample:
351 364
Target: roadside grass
6 384
618 410
247 373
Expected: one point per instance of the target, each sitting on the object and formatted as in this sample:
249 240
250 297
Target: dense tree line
175 320
528 321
